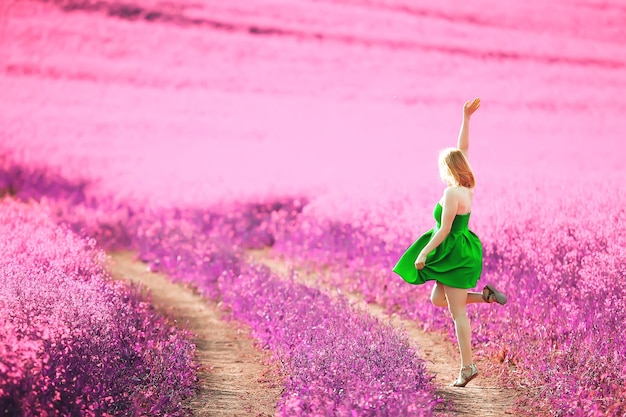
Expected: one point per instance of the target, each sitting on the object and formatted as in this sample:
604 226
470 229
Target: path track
234 379
481 398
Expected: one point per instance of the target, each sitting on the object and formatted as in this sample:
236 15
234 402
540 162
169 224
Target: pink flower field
191 132
72 342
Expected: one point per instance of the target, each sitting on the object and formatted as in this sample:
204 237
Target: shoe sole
500 298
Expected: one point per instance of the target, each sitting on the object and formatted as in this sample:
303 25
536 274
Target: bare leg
438 296
475 297
457 300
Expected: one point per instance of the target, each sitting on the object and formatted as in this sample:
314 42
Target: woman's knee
439 301
438 296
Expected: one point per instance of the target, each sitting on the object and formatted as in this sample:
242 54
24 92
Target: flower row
337 360
72 341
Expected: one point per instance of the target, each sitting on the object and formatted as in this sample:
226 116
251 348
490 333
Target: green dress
456 262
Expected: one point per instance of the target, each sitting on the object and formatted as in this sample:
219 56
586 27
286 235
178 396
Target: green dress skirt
456 262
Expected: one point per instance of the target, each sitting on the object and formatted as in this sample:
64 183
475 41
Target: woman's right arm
468 109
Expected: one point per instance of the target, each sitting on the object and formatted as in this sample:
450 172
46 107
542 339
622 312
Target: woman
451 254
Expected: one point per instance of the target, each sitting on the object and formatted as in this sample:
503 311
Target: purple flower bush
559 335
73 342
313 128
562 280
337 360
549 337
570 306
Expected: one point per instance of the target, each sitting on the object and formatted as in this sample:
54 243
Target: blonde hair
454 168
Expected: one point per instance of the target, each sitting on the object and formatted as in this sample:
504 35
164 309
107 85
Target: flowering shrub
523 257
337 361
338 120
563 286
72 341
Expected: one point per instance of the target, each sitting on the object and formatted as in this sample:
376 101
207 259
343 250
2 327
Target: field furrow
485 396
235 378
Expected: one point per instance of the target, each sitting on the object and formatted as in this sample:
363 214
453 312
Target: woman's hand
420 261
470 107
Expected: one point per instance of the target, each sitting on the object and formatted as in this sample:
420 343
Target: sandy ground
482 397
236 378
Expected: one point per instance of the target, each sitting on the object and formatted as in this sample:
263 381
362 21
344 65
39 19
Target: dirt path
481 398
234 380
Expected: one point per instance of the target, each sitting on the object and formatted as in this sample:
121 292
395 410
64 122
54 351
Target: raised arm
468 109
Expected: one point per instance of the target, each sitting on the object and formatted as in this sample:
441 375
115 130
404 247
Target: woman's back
464 196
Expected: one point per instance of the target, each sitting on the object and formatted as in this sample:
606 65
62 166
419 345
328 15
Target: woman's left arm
450 207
